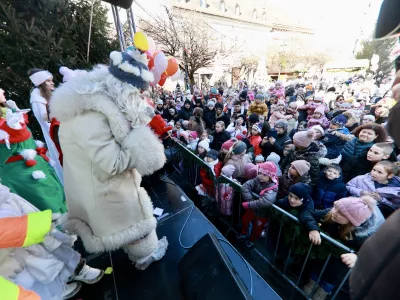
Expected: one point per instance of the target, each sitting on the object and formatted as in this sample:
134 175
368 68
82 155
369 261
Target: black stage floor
161 280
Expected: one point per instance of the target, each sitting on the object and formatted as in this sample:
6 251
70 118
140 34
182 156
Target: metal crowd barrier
282 236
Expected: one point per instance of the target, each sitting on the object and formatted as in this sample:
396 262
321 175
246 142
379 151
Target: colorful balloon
176 76
157 76
150 58
152 45
164 77
140 41
172 67
160 62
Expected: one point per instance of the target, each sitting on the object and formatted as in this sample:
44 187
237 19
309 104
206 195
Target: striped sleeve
25 230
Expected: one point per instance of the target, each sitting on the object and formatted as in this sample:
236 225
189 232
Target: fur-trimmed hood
74 98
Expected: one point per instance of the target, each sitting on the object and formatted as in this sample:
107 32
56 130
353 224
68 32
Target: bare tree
185 37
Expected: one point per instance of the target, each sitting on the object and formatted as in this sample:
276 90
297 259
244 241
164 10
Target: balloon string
90 32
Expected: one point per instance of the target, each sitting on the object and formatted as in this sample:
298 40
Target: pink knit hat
227 145
281 102
356 210
303 138
302 166
321 110
269 169
250 171
193 134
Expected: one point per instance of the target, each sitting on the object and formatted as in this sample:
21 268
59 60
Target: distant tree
381 48
48 34
186 38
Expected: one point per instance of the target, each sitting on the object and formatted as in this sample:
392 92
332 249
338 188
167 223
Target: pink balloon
157 76
160 63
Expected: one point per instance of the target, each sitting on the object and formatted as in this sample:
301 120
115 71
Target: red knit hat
227 145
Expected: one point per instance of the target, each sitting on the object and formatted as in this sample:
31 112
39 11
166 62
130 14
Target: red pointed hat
16 135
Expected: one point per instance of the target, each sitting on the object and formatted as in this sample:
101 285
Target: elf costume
25 168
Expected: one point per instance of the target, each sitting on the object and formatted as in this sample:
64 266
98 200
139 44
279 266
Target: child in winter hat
297 172
299 200
275 158
318 118
367 119
202 148
303 139
265 184
319 131
259 159
353 210
301 167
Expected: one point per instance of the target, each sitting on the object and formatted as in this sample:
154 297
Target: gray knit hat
260 97
281 123
131 67
239 148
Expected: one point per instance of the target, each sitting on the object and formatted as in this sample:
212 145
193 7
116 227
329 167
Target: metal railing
283 243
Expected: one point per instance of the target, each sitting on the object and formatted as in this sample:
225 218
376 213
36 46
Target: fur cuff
145 149
95 244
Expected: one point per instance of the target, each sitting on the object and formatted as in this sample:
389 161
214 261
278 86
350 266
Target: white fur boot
157 254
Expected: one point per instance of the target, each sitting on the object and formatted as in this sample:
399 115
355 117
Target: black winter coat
277 147
312 154
328 191
224 118
209 117
185 114
218 139
305 213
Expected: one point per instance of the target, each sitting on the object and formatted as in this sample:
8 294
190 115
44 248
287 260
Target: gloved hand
158 125
325 161
245 205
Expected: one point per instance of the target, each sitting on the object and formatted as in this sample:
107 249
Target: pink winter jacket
323 121
277 115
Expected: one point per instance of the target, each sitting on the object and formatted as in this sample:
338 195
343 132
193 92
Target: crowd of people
321 154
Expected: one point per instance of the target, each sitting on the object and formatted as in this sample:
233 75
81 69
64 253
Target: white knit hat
204 144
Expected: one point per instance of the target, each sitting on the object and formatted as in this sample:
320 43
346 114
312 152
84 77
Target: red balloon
163 79
172 66
150 58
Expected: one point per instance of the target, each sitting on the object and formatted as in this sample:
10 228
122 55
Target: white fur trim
28 154
143 139
116 57
147 76
79 103
127 67
95 244
139 57
38 175
39 144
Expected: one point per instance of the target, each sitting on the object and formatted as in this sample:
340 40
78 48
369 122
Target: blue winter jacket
334 144
352 158
328 191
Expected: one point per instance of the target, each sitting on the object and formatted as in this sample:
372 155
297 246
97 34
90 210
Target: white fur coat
104 159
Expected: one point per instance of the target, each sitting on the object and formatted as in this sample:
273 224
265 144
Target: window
237 10
255 14
203 3
222 6
264 16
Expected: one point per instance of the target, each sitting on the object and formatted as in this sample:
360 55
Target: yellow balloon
140 41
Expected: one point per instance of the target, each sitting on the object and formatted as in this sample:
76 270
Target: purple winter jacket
390 194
